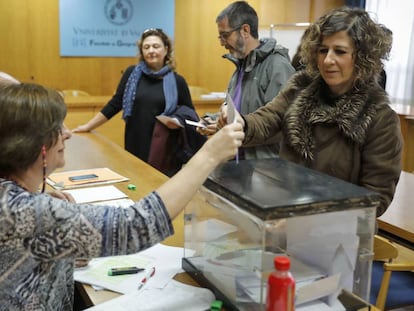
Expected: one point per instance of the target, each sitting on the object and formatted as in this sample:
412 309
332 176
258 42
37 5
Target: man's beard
239 48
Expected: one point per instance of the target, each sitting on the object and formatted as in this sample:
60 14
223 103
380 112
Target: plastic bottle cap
281 263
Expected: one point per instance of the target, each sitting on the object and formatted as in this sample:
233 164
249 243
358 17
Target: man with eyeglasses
263 67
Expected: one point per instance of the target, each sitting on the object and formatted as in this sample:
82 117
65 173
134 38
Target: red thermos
281 287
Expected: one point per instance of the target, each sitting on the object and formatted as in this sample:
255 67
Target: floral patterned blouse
40 237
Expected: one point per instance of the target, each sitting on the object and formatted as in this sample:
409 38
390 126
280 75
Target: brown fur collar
351 112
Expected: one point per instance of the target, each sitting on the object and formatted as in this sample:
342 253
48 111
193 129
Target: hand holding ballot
229 114
208 124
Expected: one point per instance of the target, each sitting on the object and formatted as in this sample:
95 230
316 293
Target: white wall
286 35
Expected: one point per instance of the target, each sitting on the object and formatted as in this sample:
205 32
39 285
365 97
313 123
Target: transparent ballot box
249 212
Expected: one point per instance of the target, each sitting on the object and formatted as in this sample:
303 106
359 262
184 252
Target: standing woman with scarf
145 91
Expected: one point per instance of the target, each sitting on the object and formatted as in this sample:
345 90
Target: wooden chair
75 93
392 284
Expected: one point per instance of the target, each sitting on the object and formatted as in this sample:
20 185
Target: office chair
75 93
392 284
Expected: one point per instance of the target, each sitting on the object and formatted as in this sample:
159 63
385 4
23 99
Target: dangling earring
44 167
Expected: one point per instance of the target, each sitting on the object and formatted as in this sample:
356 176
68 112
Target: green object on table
132 187
216 305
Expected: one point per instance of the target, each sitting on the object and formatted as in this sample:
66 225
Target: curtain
355 3
398 16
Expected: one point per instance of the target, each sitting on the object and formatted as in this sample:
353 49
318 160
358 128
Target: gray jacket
266 70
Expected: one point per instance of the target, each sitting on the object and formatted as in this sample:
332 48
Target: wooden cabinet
76 117
32 52
82 109
202 106
406 114
114 129
294 11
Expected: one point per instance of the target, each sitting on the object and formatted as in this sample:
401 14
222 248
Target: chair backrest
392 284
75 93
384 249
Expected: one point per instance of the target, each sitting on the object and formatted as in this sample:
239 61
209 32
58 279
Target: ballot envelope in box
249 212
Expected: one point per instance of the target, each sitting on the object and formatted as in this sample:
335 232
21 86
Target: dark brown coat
355 137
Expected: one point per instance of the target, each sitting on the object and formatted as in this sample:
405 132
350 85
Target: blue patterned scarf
169 85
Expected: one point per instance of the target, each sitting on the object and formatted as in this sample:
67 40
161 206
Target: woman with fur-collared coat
334 117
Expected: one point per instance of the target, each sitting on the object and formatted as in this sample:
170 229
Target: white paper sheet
165 259
96 194
317 289
175 296
328 241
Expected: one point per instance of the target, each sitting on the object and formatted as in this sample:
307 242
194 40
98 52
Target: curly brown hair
169 58
31 116
372 41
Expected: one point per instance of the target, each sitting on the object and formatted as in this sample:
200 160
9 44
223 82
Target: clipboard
64 180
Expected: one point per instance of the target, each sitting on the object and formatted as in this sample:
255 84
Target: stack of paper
175 296
165 259
97 194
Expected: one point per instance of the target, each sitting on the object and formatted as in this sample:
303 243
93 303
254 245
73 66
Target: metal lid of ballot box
276 188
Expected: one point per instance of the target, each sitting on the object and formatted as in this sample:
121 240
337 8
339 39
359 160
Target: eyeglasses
224 35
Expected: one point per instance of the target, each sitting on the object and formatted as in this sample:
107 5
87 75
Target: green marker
124 270
216 305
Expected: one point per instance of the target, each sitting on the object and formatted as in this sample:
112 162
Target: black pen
124 270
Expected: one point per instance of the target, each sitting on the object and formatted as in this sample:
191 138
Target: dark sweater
149 102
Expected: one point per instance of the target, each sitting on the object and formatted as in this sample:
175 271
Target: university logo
118 12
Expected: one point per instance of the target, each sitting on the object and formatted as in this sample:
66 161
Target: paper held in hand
196 124
231 116
171 123
87 177
231 110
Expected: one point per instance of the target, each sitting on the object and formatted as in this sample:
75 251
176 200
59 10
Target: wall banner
110 28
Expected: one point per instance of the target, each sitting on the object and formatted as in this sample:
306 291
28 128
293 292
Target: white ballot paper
175 296
165 259
329 242
96 194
